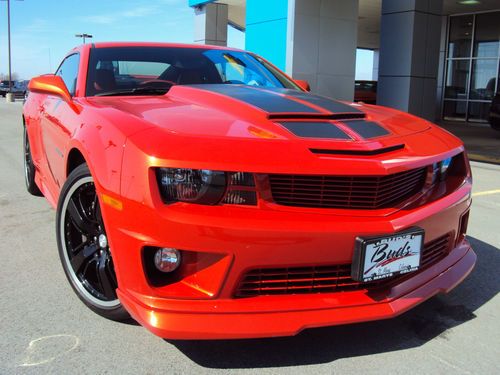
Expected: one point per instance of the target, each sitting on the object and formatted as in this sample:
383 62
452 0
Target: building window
472 66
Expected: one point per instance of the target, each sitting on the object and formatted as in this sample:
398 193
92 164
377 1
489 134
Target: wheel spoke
82 256
97 212
104 276
81 222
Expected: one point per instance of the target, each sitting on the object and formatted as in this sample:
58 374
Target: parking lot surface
45 329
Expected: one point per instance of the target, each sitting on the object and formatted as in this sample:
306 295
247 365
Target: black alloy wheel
83 246
29 167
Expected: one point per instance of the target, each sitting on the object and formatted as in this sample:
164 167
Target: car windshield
154 70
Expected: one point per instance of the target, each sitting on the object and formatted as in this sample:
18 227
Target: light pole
8 42
83 36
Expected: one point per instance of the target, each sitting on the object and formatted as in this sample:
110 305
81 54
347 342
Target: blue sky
42 31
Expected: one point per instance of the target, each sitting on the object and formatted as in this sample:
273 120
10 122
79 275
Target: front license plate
382 257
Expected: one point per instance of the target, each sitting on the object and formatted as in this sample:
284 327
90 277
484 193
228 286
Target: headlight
199 186
444 165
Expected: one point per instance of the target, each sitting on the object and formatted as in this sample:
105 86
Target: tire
29 167
83 248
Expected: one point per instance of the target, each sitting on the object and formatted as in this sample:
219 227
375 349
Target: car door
56 124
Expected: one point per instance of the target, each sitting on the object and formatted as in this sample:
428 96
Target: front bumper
221 323
204 306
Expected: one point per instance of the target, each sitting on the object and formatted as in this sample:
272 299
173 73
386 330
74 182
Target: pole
8 36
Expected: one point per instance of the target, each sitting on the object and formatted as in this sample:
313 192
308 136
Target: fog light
167 259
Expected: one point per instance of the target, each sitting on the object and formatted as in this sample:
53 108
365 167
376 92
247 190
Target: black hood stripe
325 130
267 100
284 101
366 129
328 104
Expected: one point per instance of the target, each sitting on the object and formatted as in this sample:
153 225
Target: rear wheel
29 167
83 246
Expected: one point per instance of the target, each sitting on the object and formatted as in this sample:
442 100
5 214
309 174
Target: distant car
18 88
209 195
366 92
494 118
4 87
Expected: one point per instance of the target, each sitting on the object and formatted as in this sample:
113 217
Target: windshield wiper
136 90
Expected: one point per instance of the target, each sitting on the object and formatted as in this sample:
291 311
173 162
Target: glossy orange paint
123 139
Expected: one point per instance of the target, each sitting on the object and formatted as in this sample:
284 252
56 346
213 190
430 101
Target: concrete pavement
45 329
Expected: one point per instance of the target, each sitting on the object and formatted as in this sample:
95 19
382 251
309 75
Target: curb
484 158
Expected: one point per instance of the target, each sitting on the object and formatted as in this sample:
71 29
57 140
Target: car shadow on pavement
322 345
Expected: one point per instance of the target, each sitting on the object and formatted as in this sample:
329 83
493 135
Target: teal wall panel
266 29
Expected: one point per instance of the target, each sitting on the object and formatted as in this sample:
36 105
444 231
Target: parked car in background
366 92
494 117
4 87
18 88
208 195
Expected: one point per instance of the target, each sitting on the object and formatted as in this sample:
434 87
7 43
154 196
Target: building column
376 58
441 68
323 46
409 55
314 40
210 24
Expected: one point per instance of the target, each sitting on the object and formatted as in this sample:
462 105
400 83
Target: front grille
326 279
356 192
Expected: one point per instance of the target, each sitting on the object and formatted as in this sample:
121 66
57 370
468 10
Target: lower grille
326 279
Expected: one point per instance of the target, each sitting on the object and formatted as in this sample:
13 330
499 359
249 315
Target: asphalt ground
45 329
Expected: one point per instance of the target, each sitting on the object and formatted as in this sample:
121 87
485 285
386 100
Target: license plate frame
368 267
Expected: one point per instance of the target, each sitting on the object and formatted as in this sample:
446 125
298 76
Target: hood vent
319 116
357 152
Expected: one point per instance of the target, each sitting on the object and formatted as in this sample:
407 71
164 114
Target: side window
68 71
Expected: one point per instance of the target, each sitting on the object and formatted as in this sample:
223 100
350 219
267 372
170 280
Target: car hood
238 117
230 110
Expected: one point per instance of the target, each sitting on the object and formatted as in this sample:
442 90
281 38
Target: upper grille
325 279
357 192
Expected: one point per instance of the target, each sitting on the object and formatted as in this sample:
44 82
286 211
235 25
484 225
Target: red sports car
208 195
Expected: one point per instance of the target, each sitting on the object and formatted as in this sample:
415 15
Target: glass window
483 80
454 110
68 71
487 35
457 76
142 68
460 36
154 70
479 111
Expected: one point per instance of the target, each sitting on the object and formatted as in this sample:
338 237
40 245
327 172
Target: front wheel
83 246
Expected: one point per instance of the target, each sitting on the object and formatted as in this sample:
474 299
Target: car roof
154 44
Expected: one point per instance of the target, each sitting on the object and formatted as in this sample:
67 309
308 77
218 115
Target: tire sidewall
116 311
29 180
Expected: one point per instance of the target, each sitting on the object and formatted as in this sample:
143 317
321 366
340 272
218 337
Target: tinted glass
460 36
483 81
457 76
153 70
68 71
487 35
454 110
479 111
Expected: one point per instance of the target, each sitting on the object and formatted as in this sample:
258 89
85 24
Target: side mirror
304 85
52 85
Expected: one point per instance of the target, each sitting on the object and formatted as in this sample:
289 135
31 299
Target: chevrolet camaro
207 195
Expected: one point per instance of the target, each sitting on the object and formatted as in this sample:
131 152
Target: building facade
438 59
